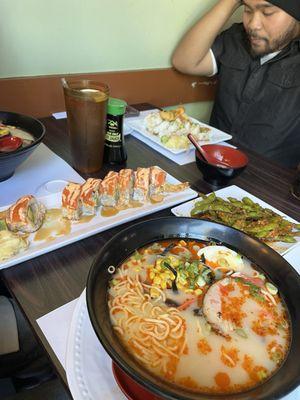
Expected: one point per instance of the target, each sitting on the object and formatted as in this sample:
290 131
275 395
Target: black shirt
258 104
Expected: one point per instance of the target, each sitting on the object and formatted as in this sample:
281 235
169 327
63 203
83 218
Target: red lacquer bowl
217 175
131 389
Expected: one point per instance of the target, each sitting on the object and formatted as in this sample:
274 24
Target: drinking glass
86 106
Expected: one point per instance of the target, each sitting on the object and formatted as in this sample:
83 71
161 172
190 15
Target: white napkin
60 115
58 338
85 361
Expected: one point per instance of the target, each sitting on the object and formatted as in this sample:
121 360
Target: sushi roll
157 181
141 185
110 190
71 202
90 196
26 215
126 180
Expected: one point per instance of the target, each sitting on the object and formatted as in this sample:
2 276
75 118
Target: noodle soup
199 315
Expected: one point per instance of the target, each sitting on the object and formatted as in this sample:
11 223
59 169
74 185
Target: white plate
184 210
217 136
97 224
88 366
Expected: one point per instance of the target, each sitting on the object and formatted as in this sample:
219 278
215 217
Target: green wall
42 37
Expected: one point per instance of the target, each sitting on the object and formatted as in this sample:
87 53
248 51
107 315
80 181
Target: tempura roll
71 201
110 190
157 181
141 185
126 180
26 215
11 244
90 196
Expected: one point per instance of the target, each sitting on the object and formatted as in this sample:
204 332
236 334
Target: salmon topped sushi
141 185
71 202
110 189
157 181
26 215
126 180
90 196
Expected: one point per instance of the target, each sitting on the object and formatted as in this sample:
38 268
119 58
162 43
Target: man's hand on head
235 4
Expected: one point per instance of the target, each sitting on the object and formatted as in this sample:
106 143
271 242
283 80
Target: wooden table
47 282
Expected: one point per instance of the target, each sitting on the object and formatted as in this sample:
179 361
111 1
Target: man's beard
277 44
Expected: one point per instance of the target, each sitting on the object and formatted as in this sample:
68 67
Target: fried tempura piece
171 115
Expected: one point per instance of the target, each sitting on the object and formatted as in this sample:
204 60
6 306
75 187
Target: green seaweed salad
247 216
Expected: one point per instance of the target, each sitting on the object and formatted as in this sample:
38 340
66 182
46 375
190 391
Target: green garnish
253 289
137 256
241 333
3 226
271 288
164 139
262 375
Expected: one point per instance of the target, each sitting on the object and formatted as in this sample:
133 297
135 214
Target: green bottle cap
116 106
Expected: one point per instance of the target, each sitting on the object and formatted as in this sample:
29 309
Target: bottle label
113 133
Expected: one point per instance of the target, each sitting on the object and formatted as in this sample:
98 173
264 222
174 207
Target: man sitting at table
258 65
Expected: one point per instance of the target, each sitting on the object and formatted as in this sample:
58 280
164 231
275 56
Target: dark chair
51 390
36 373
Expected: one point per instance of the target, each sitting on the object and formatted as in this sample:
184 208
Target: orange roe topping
185 350
225 290
204 347
232 309
222 380
171 367
188 382
264 327
256 373
230 356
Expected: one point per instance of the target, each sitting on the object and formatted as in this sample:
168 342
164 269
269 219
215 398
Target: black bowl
127 241
218 176
10 161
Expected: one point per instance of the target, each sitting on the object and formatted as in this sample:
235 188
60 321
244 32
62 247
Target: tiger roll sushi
157 181
90 196
126 180
26 215
110 189
141 185
71 201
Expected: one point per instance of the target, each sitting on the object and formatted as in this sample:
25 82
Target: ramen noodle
199 315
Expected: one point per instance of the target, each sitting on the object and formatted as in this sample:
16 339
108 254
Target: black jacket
258 104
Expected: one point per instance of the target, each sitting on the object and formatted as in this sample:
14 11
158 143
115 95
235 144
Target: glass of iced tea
86 106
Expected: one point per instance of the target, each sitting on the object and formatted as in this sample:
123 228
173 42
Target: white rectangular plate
97 224
184 210
217 136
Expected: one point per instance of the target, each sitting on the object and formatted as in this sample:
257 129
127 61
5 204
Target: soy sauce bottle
114 148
